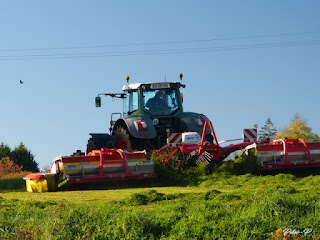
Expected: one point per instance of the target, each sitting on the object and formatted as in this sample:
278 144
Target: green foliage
23 157
268 131
298 128
4 150
16 184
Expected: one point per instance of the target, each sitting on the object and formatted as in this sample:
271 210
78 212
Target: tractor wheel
121 138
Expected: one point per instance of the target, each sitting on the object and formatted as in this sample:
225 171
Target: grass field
216 207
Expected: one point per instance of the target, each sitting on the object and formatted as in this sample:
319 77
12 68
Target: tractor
151 111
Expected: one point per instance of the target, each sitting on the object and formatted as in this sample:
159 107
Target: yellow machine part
42 185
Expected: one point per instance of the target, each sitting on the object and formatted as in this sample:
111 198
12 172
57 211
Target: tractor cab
152 99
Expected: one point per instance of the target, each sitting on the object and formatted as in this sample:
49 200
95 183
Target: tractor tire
122 139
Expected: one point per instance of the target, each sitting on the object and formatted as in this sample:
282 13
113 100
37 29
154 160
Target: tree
8 167
23 157
4 150
268 131
298 128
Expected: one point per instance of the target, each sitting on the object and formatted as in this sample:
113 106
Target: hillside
218 207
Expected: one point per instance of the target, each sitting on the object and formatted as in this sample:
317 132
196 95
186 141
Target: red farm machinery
97 166
153 119
280 154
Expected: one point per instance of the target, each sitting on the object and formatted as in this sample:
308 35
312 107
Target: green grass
220 206
16 184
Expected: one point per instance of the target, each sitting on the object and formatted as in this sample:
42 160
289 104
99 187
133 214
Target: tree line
297 128
20 155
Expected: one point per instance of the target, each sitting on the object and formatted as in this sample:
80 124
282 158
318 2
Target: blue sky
243 61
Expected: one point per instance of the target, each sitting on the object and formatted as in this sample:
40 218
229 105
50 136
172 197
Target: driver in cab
157 104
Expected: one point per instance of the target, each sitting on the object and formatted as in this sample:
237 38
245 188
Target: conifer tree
268 131
23 157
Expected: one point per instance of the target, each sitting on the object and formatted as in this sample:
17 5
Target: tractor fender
193 122
149 132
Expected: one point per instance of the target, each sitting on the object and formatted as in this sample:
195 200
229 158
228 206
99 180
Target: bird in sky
21 82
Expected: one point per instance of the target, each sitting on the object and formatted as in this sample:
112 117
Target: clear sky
243 61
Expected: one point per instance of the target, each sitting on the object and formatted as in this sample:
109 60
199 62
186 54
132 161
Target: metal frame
286 147
98 155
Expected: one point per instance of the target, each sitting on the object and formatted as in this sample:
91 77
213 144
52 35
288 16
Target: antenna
165 78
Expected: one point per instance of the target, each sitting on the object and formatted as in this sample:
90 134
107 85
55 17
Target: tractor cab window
130 103
160 101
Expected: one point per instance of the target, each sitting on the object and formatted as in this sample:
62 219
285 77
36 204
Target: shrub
8 169
13 184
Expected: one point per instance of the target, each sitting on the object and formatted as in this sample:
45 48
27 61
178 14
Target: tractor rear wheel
121 138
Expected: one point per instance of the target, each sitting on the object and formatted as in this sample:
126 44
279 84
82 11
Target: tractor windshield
160 101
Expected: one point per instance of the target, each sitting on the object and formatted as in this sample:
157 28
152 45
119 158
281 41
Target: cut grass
95 196
220 207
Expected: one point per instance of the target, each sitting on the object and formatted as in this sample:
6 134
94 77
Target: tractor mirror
98 101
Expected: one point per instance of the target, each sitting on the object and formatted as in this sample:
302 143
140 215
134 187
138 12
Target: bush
8 167
15 184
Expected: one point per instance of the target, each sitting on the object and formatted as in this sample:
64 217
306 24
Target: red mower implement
196 149
98 165
281 154
287 154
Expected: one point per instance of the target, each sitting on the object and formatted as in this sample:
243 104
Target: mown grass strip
153 215
221 206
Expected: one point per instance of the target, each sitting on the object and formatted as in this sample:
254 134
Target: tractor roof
155 85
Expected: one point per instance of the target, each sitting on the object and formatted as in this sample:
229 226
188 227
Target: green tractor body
151 111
